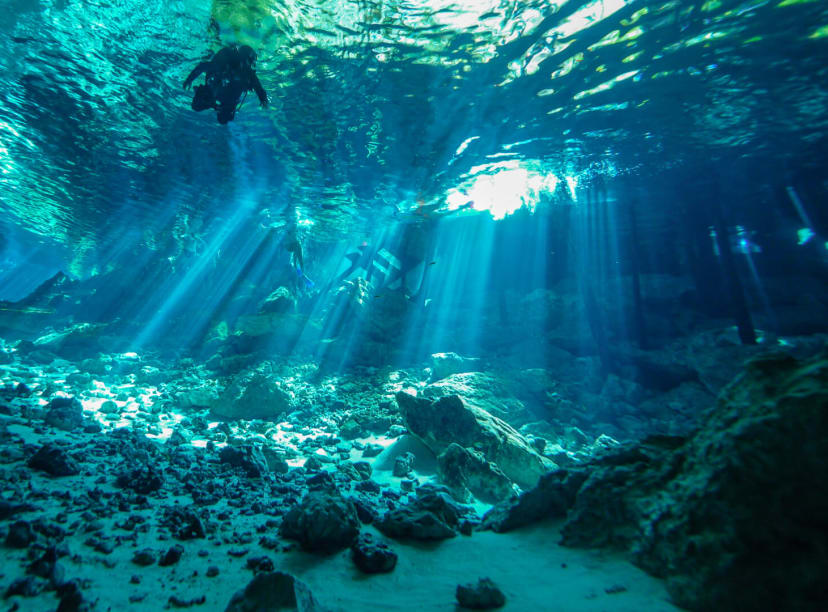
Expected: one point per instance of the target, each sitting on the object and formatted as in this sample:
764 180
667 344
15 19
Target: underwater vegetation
413 305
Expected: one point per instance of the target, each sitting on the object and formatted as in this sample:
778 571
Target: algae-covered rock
449 420
252 395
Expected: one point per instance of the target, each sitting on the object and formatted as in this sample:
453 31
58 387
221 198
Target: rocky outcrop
252 395
467 473
431 515
446 364
733 517
54 461
450 420
322 523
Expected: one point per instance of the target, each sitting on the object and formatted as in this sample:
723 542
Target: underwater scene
414 305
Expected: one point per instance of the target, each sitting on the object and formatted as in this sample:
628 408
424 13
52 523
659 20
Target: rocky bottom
77 536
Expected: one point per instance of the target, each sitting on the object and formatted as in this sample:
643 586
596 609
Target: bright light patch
503 188
804 235
465 144
572 182
588 16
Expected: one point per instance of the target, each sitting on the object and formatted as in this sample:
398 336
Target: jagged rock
717 514
76 340
143 480
276 462
481 596
417 524
172 556
350 430
431 515
274 591
183 523
446 364
321 523
252 395
466 473
748 496
403 464
373 557
53 460
65 413
249 458
447 420
483 390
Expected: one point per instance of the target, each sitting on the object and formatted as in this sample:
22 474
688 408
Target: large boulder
252 395
467 473
53 460
65 413
322 523
249 458
450 420
487 391
431 515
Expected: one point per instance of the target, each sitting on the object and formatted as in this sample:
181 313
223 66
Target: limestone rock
486 391
247 457
373 557
446 364
447 420
65 413
252 395
322 523
481 596
53 460
466 473
274 592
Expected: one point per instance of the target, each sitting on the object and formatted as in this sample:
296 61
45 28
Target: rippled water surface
379 104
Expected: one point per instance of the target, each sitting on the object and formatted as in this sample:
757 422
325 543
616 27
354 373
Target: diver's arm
257 87
195 73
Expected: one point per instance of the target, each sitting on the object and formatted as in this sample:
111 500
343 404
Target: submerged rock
431 515
481 596
373 557
322 523
732 517
65 413
274 591
446 364
450 420
252 395
249 458
53 460
467 473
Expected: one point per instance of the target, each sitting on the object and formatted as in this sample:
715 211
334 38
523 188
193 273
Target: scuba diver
229 75
293 245
408 247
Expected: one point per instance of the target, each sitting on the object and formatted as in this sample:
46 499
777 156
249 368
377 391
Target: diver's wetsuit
229 74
